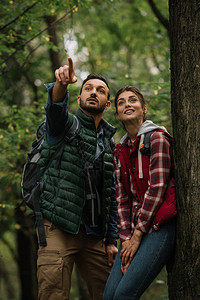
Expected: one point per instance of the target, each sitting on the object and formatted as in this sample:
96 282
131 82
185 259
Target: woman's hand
129 248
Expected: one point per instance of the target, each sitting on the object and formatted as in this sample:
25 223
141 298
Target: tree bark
184 277
54 56
27 254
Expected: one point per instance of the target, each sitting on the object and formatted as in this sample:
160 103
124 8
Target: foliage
16 134
123 40
24 43
130 43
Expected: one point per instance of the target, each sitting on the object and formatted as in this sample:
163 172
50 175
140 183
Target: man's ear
78 99
108 104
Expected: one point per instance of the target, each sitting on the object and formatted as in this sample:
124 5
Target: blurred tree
184 277
53 38
27 251
123 40
5 277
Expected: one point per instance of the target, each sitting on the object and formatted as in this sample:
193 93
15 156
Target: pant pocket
49 270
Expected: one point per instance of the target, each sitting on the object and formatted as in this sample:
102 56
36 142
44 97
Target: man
80 225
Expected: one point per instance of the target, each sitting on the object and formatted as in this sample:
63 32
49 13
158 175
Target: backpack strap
41 130
73 130
70 135
38 215
92 194
144 148
140 157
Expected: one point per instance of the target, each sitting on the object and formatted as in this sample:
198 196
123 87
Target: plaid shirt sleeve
123 205
159 172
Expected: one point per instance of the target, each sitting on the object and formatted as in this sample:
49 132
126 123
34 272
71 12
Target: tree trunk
54 56
5 276
184 277
27 253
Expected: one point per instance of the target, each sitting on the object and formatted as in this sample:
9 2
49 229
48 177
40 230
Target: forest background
125 41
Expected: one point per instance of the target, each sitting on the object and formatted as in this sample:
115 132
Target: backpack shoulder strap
71 133
145 149
41 130
73 130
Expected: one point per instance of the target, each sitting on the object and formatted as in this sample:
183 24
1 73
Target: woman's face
129 107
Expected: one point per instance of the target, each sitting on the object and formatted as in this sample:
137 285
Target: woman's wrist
137 234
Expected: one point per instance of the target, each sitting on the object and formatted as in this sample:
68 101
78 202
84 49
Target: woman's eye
132 100
120 103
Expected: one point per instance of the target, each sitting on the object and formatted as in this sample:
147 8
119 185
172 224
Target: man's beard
92 109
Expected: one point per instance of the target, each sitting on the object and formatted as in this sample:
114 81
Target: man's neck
97 118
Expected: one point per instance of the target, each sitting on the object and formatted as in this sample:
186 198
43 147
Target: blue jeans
153 254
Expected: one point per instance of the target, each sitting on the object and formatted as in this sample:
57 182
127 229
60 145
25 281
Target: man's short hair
95 76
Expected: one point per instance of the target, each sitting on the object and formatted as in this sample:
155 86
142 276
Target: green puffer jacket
63 196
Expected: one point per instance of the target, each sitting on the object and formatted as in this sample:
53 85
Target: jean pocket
49 270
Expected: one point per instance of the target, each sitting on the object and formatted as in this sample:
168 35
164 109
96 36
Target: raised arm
64 75
57 104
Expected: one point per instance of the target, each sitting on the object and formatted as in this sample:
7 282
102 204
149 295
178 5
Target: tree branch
35 36
12 21
29 54
160 17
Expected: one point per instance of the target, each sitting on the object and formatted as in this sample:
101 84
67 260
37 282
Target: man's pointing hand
66 74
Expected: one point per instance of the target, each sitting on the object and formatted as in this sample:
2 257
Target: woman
145 197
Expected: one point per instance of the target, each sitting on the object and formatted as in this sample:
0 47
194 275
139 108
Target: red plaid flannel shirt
159 172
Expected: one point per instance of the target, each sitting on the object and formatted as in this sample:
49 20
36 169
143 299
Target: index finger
71 66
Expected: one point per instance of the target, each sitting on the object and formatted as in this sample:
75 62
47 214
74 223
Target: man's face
94 97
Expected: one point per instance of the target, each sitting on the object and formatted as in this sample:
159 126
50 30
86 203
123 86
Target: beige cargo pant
55 263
